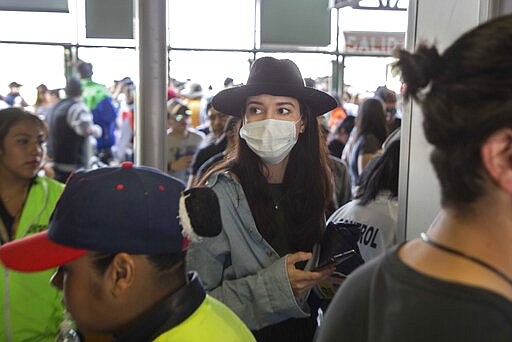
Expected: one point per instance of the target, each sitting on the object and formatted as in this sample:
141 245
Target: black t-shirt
335 148
385 300
291 329
9 220
396 123
279 242
206 153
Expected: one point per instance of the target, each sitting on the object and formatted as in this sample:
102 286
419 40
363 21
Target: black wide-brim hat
277 77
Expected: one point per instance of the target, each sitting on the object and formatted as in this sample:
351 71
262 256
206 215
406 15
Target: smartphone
334 261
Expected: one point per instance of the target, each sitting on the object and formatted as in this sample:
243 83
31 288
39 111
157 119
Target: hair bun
419 68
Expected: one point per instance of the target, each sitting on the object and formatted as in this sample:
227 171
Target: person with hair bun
455 282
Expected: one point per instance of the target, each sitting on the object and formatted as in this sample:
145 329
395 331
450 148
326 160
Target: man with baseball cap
388 97
14 99
118 245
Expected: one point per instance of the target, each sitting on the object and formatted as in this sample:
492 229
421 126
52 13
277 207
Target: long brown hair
307 186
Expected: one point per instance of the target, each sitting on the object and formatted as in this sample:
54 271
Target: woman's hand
300 280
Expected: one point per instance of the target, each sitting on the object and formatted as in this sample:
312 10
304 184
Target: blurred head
192 90
310 82
42 94
231 130
41 89
22 139
347 97
372 119
228 82
466 99
54 95
14 87
73 87
177 115
387 96
84 69
217 121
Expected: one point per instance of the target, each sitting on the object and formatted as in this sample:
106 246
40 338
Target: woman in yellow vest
31 308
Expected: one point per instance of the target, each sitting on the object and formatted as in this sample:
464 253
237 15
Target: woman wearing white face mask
273 191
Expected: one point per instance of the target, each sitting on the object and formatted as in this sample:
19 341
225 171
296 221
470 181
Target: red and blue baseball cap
131 209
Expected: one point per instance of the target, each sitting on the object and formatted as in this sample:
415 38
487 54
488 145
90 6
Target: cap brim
37 253
232 101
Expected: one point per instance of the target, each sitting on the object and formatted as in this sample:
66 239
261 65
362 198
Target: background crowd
288 165
89 126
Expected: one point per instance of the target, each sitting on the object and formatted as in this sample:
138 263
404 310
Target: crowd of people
284 162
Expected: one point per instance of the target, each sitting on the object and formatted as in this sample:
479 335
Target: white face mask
272 140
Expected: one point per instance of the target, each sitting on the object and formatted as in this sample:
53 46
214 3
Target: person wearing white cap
192 94
182 142
14 99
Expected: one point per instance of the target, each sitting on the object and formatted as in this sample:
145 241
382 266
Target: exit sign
373 43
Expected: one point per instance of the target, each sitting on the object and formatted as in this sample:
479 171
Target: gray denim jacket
240 268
